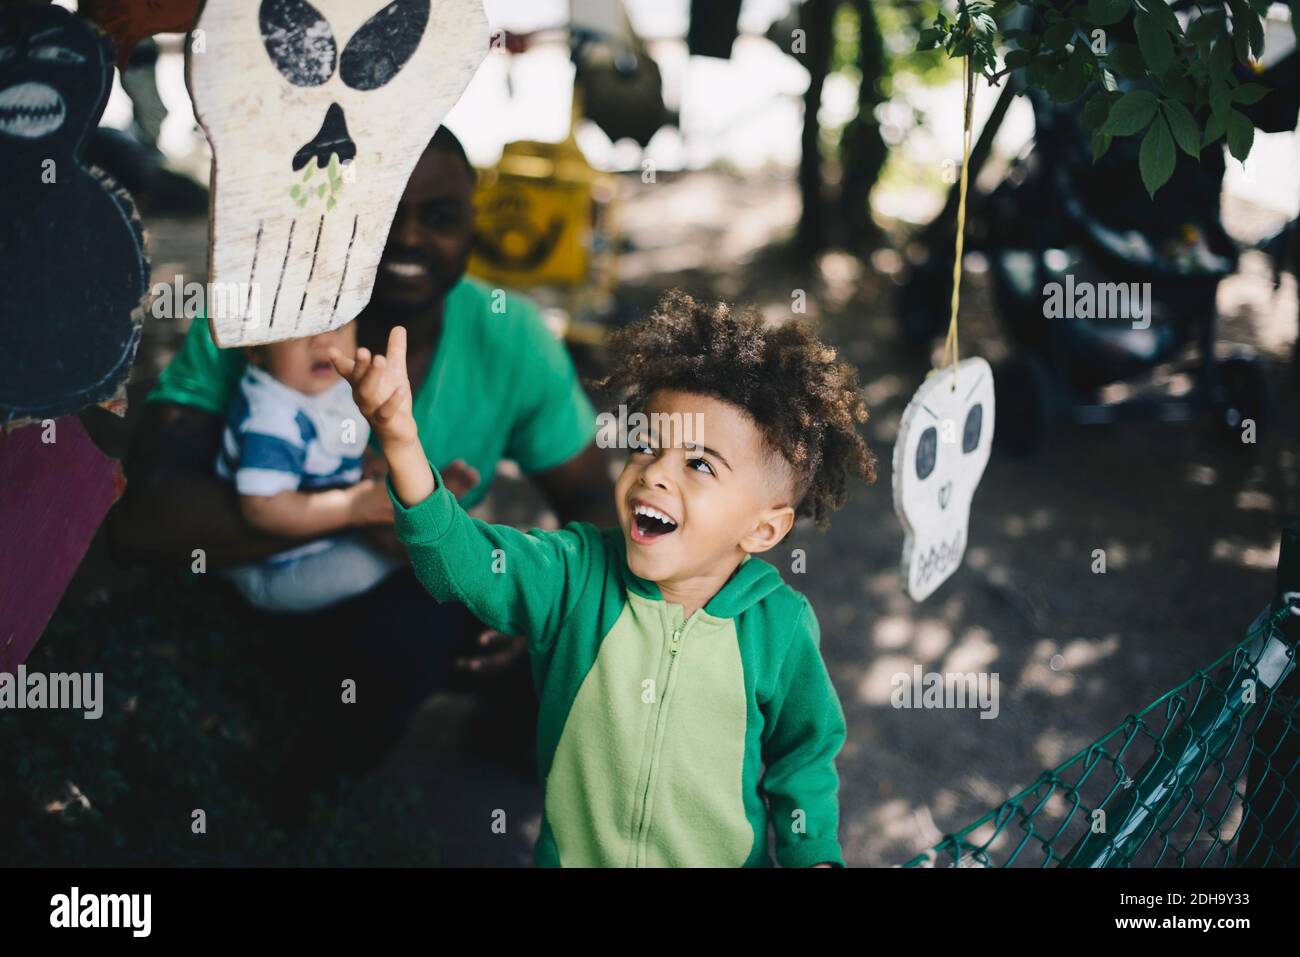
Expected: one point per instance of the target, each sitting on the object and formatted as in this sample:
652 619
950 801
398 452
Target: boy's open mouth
650 524
322 367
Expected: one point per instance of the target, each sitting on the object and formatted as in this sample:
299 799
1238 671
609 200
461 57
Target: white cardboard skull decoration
317 113
943 446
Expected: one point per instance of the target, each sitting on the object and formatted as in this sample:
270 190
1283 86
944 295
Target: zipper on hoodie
674 656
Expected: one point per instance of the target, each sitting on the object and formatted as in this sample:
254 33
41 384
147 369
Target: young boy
293 448
684 702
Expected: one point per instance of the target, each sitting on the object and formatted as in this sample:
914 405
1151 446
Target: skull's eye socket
382 45
926 450
299 41
56 54
970 434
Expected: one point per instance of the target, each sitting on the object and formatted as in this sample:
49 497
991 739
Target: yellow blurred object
535 217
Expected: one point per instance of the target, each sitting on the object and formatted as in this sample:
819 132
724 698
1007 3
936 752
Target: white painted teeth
406 270
654 513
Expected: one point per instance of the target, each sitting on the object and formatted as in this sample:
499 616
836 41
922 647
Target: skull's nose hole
332 138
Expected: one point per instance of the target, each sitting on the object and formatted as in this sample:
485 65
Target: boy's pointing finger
397 348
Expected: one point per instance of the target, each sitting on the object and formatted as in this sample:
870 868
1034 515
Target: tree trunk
815 17
862 148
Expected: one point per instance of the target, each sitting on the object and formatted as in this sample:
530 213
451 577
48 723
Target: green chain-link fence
1206 775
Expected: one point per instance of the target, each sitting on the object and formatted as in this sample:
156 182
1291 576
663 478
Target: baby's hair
806 404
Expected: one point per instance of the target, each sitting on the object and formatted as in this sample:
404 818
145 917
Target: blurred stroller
1058 218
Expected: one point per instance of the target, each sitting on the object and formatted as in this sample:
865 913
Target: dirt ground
1189 528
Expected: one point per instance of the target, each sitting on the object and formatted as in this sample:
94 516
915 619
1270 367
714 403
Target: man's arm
174 502
580 490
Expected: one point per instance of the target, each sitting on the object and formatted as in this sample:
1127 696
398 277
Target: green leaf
1017 58
1240 29
1127 60
1059 34
1073 80
1215 127
1220 98
1204 29
1241 135
1096 110
1132 112
1183 126
1100 143
1105 12
1221 57
311 168
1161 14
1176 86
1156 156
1254 30
1155 44
1249 93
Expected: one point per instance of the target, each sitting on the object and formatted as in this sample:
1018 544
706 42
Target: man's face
429 241
690 500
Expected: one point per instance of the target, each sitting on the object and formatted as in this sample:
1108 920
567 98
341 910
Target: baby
293 448
685 705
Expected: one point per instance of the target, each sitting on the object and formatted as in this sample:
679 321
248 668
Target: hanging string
968 97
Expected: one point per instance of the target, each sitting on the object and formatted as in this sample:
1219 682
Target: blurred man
490 382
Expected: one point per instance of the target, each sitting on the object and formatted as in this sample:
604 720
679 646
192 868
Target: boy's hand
382 390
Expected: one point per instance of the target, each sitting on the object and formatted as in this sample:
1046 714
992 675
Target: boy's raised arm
516 582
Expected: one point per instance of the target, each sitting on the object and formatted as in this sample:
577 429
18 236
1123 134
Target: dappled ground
1189 528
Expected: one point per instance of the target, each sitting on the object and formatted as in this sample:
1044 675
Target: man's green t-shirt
500 386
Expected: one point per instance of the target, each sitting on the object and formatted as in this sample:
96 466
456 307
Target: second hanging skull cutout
317 114
943 446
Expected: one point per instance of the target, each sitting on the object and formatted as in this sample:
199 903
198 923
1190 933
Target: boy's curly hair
805 403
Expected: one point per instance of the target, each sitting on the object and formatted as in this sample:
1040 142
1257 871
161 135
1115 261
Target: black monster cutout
74 269
301 44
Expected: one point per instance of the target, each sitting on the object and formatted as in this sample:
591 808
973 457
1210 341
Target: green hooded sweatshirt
662 742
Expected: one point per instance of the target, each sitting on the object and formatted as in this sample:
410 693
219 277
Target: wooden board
317 114
130 21
74 273
53 496
943 446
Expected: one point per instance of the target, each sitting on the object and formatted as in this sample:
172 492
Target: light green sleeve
200 374
520 583
553 419
804 733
